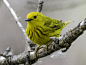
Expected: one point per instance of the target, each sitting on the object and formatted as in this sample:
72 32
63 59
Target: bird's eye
35 16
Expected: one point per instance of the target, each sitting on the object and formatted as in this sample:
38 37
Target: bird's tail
65 23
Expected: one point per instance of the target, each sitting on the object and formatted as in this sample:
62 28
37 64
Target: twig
18 22
40 5
8 52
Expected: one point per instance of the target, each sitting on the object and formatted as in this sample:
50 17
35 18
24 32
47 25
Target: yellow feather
40 28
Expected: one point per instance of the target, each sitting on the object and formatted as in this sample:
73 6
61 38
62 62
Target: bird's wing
53 23
55 26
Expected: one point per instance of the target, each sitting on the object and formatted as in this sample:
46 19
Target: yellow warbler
40 28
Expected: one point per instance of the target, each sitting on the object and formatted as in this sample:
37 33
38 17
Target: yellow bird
40 28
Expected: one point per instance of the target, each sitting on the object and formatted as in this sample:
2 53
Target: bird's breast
37 35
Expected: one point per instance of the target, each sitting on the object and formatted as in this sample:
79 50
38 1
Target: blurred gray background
66 10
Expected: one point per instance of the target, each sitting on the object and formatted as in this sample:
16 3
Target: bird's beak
28 19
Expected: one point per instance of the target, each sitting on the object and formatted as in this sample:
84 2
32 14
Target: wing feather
53 23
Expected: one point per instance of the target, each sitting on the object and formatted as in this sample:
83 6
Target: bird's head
33 17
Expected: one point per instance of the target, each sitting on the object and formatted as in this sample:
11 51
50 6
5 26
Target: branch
55 44
40 5
18 22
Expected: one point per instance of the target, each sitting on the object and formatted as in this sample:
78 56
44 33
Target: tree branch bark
55 44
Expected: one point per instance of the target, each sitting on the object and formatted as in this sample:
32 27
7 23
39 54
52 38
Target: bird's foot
37 48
